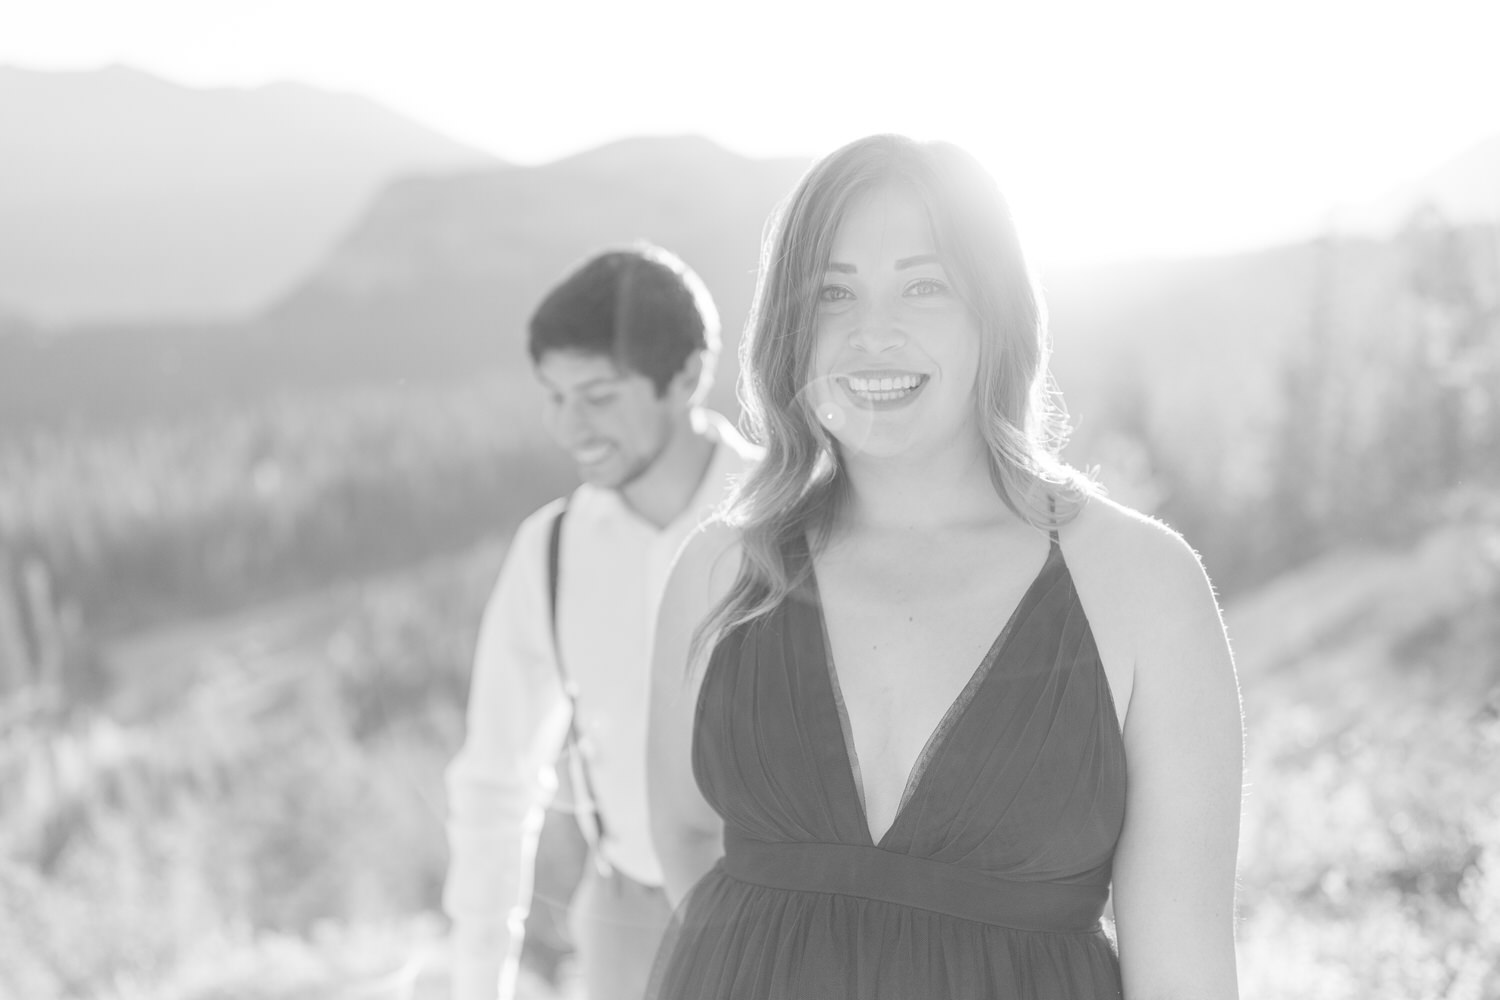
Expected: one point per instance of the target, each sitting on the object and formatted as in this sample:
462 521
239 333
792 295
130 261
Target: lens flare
850 425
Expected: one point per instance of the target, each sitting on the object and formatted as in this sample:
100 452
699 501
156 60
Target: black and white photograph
808 500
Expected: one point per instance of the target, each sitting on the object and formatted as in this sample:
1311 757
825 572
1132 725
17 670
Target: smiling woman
892 335
923 655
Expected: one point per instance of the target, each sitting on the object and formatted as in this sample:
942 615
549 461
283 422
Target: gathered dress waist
906 880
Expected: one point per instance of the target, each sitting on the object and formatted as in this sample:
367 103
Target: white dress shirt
613 569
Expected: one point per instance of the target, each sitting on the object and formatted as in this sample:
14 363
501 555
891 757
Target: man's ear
687 380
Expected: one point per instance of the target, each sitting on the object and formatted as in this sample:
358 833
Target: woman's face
897 351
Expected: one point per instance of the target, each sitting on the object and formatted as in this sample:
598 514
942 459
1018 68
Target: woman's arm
687 832
1174 874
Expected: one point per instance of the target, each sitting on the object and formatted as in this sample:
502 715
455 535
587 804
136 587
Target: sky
1116 128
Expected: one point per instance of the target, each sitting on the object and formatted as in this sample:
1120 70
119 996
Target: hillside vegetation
273 829
1371 852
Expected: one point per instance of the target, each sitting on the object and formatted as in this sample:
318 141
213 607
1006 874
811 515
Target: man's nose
570 423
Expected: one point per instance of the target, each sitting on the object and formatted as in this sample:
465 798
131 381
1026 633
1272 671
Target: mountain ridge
1464 189
210 201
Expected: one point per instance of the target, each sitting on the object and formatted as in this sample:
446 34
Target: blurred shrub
1370 855
271 800
160 522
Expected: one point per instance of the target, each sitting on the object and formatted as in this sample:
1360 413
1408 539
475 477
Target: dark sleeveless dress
994 874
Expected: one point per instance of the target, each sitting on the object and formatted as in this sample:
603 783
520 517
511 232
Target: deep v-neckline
946 723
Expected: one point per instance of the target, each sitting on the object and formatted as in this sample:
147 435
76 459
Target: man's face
609 419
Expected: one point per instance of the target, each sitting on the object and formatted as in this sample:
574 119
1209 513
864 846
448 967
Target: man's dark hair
641 306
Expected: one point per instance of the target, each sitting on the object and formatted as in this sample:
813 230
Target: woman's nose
877 331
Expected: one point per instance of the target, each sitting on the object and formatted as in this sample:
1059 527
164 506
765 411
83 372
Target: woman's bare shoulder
1143 590
1129 553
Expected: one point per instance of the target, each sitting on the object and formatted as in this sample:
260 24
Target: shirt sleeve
499 781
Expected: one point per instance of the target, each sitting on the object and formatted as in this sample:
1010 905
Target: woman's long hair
797 489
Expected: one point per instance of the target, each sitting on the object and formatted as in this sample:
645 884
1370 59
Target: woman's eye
835 293
924 287
599 400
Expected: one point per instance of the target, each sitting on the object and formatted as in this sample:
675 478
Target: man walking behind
625 348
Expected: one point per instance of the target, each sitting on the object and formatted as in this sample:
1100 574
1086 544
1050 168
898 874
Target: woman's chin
878 444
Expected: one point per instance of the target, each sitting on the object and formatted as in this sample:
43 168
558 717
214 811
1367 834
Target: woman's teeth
883 389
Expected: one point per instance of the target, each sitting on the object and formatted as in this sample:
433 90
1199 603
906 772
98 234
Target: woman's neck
949 487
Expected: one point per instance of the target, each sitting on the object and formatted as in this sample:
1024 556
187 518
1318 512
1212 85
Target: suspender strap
554 554
591 821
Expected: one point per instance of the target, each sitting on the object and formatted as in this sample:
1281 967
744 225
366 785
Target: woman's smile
882 390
